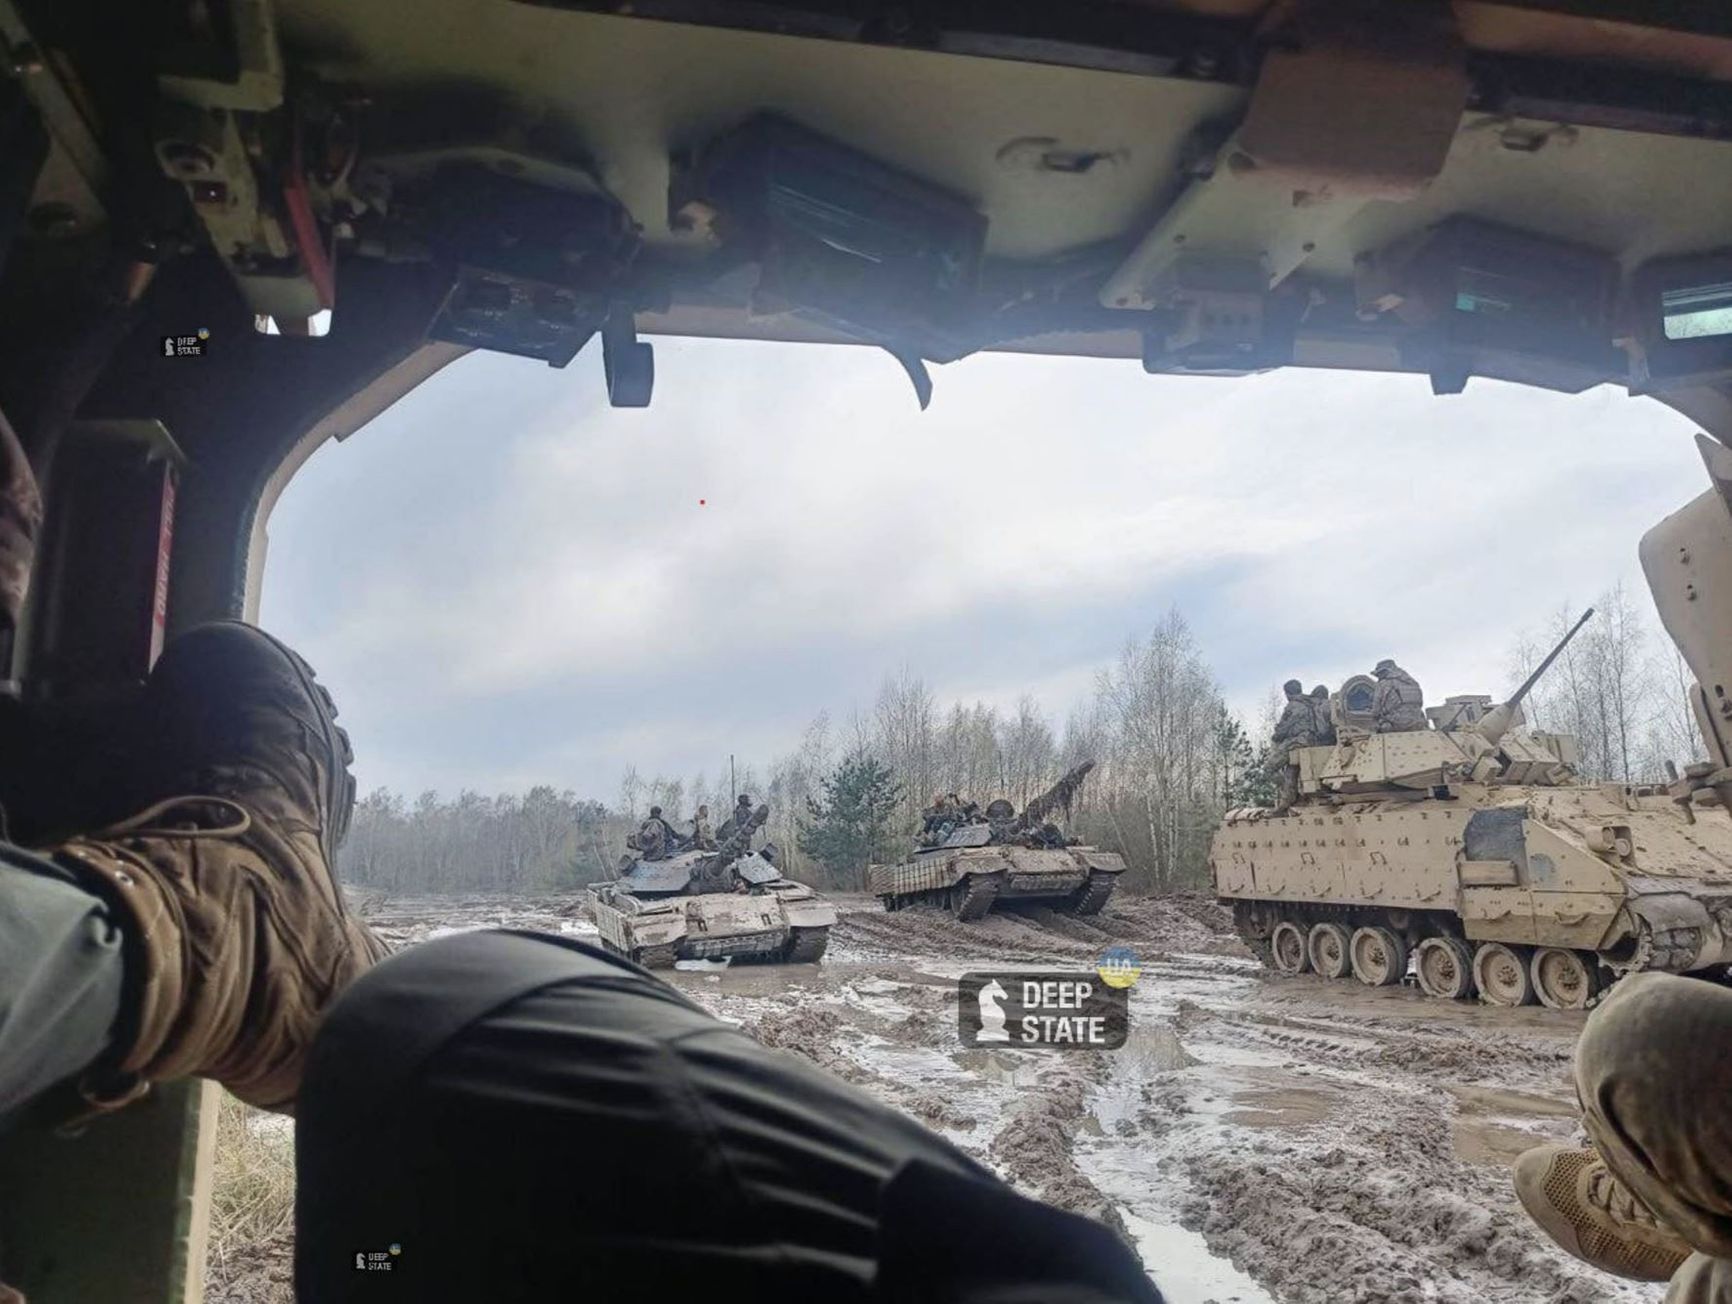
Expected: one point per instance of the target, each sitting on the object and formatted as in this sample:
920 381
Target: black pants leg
526 1118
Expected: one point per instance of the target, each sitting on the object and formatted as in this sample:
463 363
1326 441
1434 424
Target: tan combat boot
1577 1201
238 937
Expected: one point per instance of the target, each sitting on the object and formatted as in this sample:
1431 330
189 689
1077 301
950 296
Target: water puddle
1181 1265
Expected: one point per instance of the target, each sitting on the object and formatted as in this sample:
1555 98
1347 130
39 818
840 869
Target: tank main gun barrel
734 845
1060 794
1496 722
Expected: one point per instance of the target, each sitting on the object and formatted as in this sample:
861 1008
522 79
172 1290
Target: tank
1472 852
698 904
968 861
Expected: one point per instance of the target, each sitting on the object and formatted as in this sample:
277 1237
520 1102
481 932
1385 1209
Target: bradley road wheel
1444 966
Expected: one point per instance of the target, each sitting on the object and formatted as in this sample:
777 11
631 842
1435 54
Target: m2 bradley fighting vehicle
970 860
710 904
1473 849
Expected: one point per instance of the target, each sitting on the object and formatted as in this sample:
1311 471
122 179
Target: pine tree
851 826
1241 779
1257 785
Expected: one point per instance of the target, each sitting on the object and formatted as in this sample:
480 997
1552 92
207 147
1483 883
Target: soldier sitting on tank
1399 703
951 815
931 819
1000 818
655 836
741 816
1323 735
702 837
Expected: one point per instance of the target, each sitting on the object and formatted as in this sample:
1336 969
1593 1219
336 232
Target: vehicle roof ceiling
632 89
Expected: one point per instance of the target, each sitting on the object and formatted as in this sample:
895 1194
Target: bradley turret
1474 852
1470 741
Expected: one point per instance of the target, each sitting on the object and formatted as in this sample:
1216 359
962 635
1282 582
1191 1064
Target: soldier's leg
1289 786
1654 1196
1650 1068
1649 1071
211 921
526 1118
60 977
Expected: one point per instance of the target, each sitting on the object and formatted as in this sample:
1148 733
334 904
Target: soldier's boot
237 936
1580 1204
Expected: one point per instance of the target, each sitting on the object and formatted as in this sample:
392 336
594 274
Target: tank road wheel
1445 968
1501 974
1564 980
1379 957
805 945
1327 950
1287 948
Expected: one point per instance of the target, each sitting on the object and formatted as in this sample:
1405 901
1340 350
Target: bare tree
1602 689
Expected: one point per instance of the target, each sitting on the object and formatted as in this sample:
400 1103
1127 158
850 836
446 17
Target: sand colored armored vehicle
1473 850
709 905
972 861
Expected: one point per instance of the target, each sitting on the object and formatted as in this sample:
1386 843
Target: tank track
656 957
979 891
1092 895
806 945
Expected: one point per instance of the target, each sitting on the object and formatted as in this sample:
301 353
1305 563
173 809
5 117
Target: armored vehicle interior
347 197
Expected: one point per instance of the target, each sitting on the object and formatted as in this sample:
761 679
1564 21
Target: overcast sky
506 582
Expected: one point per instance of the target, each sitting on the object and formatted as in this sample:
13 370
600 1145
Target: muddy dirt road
1259 1139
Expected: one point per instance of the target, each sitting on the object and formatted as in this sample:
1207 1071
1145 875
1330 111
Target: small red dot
702 501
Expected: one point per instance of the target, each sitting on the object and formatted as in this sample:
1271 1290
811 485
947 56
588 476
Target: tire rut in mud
1149 925
1386 1213
1034 1147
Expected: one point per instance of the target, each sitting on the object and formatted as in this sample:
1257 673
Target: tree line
1170 758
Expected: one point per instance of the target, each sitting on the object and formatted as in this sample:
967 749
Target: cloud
507 582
